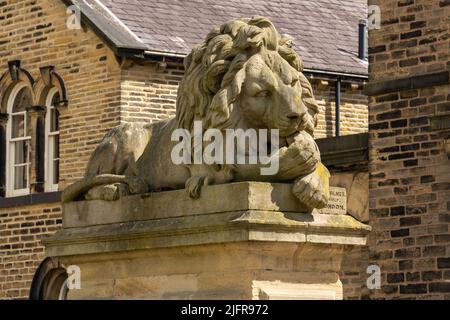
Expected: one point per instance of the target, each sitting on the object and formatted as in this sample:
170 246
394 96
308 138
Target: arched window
18 141
52 141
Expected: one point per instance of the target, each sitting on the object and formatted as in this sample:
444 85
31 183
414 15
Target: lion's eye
294 82
264 93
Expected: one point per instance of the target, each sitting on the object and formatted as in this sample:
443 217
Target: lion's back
120 147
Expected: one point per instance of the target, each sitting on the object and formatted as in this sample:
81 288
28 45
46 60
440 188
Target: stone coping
345 150
245 211
238 196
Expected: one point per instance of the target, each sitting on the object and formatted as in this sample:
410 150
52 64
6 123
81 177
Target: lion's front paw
194 185
313 189
299 158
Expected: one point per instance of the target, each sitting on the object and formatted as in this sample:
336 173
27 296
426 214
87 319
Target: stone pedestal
244 240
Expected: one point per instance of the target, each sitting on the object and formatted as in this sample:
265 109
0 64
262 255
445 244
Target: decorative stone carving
243 76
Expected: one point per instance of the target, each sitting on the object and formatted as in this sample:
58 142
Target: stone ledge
233 197
30 199
246 240
237 212
348 150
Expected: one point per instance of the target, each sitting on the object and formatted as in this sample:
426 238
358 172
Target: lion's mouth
286 141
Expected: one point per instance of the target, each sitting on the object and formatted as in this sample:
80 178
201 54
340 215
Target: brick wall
21 232
353 109
353 273
149 92
35 33
409 168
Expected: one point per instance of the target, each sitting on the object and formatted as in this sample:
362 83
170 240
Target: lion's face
271 95
245 75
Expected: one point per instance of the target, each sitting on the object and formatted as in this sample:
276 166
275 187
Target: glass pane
20 177
22 100
20 152
55 99
55 171
56 147
18 125
54 120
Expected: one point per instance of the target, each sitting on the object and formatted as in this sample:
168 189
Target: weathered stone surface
357 186
234 197
258 211
337 204
236 270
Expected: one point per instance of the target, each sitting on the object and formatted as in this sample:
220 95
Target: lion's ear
218 112
221 113
214 75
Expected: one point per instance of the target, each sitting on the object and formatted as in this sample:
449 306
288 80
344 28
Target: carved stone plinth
244 240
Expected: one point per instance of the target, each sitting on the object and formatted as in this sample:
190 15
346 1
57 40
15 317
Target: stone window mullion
35 128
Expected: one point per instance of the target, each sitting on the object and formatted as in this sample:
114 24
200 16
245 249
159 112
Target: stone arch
49 281
47 80
45 86
10 78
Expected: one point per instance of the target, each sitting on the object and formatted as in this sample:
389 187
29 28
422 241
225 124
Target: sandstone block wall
21 231
35 33
409 166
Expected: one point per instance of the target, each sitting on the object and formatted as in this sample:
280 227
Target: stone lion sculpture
243 75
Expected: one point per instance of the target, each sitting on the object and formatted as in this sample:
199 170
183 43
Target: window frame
49 158
10 144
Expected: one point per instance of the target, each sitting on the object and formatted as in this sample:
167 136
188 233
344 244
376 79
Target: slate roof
325 32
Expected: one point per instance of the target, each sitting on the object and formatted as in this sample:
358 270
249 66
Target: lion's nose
293 116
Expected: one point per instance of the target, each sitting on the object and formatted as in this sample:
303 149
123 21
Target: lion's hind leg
195 183
203 175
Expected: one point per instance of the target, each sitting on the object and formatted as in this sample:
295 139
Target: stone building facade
99 87
409 113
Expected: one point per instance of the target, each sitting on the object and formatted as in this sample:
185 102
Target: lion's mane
214 72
